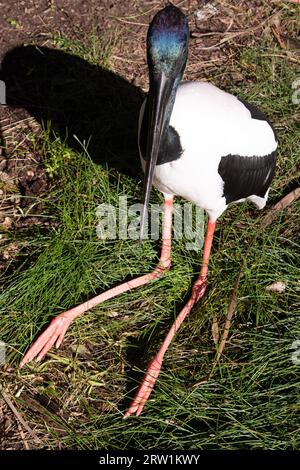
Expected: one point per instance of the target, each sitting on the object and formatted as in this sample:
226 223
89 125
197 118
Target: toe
60 338
48 345
39 346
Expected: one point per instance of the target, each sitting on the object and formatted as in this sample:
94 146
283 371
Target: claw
145 389
53 334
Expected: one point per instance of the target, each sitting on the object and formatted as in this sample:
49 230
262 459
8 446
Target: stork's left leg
55 332
154 367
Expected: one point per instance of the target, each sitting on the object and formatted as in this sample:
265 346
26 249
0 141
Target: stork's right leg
154 367
55 332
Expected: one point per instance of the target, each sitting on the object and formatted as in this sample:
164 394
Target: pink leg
154 367
55 332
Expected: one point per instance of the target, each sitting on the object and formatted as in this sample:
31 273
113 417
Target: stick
19 417
282 204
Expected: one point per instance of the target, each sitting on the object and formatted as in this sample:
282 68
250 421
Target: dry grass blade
215 330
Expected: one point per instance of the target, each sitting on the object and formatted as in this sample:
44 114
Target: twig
22 435
19 417
230 312
228 35
284 45
278 37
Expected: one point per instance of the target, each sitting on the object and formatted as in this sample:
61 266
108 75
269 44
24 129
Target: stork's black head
167 42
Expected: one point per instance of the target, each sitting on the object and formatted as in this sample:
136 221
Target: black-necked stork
197 142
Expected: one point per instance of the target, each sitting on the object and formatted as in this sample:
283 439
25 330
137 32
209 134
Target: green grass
77 395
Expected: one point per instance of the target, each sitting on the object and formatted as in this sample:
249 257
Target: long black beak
158 97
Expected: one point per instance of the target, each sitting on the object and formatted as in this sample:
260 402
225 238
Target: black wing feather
246 176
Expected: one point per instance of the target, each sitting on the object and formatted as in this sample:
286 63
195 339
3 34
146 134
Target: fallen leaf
277 286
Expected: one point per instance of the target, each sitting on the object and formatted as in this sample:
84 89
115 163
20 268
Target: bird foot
145 389
53 334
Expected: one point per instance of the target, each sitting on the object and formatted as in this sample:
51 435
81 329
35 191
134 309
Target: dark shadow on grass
77 99
74 98
138 358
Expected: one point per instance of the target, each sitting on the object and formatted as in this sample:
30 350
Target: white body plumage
211 124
